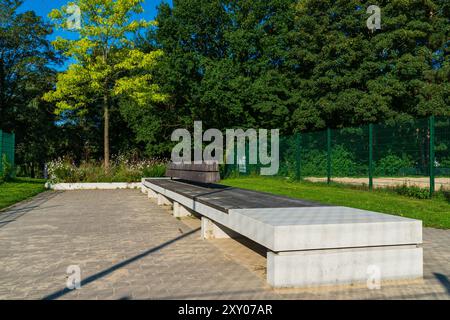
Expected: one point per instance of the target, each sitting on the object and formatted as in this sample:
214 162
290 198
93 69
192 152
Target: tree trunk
106 132
33 174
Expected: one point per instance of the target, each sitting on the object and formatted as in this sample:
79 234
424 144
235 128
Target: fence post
13 160
235 159
298 141
1 150
247 156
328 155
371 156
432 155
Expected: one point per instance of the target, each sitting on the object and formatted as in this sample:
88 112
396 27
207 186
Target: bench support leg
213 230
331 267
180 211
143 187
152 194
163 201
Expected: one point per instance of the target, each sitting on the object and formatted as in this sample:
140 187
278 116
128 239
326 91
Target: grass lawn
19 189
434 212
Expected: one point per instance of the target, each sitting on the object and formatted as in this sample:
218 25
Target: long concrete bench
308 244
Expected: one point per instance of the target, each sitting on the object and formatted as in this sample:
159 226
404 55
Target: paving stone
129 248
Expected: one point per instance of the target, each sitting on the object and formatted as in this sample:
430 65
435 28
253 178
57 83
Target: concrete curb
93 186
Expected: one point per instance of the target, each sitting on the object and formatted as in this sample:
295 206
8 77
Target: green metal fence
413 153
7 147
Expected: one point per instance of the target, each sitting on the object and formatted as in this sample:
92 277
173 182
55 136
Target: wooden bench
204 172
308 243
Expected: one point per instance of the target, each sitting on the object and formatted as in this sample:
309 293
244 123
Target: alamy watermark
73 277
373 277
234 149
374 21
74 18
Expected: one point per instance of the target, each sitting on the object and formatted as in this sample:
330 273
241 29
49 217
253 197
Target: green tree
350 75
27 62
223 63
300 65
107 64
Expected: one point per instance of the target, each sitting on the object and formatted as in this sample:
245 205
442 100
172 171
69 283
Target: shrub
314 164
8 170
444 165
413 192
392 165
62 170
157 170
343 164
121 170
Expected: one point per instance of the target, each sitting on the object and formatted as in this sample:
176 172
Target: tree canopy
26 72
297 65
107 63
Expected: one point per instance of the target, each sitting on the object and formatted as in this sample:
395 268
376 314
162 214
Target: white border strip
93 186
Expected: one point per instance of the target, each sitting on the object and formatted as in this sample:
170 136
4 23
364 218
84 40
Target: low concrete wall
94 186
315 268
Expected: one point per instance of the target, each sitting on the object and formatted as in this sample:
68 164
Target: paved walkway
129 248
422 182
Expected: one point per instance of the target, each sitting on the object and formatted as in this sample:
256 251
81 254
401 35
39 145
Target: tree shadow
13 213
101 274
443 280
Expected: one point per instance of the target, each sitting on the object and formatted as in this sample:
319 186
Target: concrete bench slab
286 229
309 244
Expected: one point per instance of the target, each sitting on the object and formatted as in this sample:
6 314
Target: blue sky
43 8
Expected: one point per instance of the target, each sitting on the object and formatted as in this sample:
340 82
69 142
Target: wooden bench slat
204 172
201 167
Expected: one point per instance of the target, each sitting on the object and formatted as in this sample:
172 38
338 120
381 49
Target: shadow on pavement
13 213
92 278
443 280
